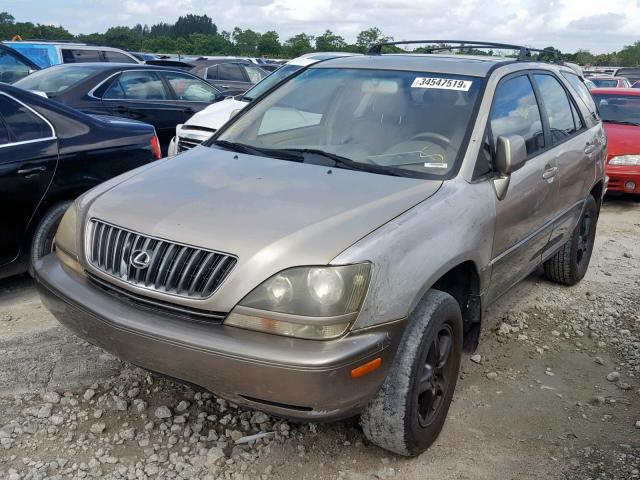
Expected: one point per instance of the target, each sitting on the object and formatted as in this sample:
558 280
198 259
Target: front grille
158 306
165 266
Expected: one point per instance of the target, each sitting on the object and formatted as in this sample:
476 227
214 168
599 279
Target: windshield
605 83
276 77
618 108
55 79
391 121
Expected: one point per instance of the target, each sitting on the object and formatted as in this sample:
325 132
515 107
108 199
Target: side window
212 73
11 69
255 74
515 112
558 107
137 86
80 56
582 91
23 124
233 73
189 88
117 57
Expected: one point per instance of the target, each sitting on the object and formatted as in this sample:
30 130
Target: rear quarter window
583 92
23 124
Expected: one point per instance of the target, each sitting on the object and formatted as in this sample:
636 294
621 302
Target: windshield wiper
262 152
343 162
621 122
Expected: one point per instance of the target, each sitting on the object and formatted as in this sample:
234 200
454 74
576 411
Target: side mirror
511 153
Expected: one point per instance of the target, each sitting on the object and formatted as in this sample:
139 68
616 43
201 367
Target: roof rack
524 53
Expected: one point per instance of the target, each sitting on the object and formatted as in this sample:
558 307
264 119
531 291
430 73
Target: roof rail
524 53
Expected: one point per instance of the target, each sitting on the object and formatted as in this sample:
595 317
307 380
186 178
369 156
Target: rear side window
189 88
137 86
117 57
23 124
80 56
558 107
230 72
582 91
515 112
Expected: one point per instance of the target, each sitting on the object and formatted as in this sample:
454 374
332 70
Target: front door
28 160
524 217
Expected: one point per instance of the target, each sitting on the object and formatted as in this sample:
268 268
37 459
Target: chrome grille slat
172 268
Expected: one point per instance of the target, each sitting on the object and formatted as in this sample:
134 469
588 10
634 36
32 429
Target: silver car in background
338 264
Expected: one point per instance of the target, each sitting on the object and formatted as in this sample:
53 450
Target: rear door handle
549 172
225 86
27 172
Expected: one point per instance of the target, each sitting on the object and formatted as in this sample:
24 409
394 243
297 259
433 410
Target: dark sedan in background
163 97
49 155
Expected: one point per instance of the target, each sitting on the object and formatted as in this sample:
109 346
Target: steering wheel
441 140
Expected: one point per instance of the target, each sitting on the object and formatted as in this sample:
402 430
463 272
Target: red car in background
620 112
609 81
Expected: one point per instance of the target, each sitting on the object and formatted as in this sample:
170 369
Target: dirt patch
554 393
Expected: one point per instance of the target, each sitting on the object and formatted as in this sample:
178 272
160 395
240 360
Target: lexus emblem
140 259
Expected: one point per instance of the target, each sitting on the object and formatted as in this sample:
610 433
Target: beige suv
330 251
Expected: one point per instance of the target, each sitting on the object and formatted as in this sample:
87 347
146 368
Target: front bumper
621 176
300 379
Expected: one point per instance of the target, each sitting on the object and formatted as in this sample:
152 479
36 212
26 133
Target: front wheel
569 265
408 412
42 243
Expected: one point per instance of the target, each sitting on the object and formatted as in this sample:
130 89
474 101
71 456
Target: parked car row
49 155
287 263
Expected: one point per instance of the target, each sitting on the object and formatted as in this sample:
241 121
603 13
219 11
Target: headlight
625 160
305 302
66 239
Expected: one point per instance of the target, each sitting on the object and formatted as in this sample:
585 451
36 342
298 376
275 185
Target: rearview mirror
511 153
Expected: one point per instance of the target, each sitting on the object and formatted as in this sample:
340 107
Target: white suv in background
204 123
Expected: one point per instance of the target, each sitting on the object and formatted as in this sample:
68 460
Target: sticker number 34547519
443 83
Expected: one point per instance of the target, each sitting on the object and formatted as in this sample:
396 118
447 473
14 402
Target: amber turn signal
368 367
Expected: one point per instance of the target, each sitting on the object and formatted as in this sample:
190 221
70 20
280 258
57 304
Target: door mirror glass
511 153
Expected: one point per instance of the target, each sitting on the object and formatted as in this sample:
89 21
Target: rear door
190 92
524 218
574 147
229 77
142 95
28 160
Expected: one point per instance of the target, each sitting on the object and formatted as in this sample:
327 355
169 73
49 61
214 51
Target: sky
595 25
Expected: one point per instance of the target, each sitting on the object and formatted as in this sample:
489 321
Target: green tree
210 45
269 44
330 42
6 18
158 45
123 37
190 24
298 44
369 37
246 41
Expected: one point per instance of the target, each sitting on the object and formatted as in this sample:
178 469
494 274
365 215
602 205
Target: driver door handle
27 172
589 148
549 172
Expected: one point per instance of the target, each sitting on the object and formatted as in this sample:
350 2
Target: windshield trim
464 144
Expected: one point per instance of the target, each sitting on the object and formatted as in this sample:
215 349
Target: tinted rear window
55 79
80 56
23 123
604 83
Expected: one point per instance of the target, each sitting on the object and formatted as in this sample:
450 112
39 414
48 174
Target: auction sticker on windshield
443 83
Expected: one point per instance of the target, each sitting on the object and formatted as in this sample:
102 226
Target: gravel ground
553 392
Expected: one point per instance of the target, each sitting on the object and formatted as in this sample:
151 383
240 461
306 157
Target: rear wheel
569 265
410 409
42 243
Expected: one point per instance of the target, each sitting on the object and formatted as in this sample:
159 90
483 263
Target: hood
272 214
622 139
216 115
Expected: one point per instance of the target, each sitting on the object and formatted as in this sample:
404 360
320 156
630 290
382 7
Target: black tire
408 412
42 243
569 265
